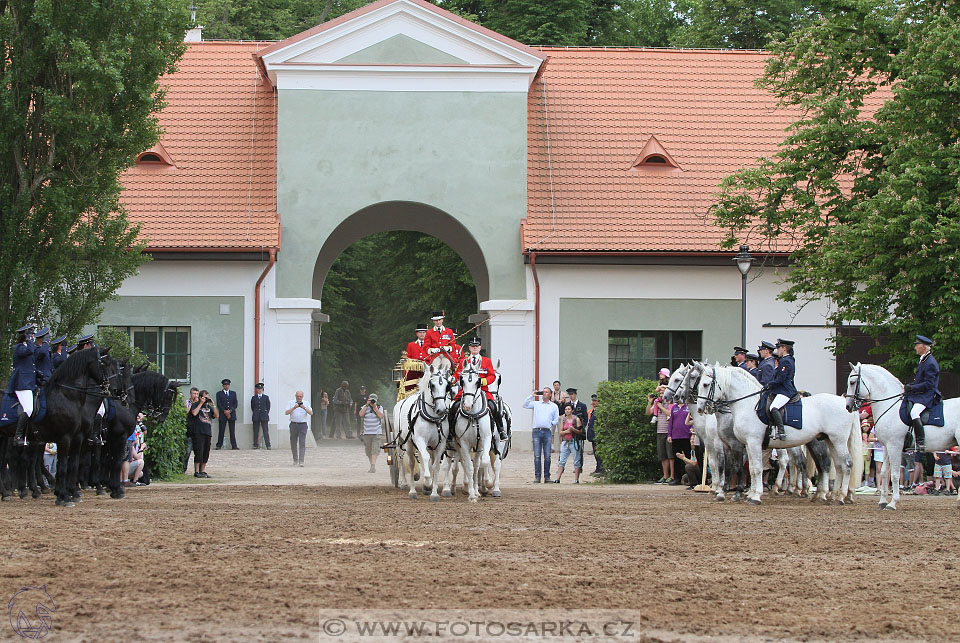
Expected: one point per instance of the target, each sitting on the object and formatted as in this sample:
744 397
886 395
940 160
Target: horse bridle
433 400
472 416
858 400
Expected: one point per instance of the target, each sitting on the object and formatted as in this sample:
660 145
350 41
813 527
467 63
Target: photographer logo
31 611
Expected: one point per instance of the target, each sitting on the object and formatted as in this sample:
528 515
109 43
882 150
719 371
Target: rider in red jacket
488 376
416 348
439 339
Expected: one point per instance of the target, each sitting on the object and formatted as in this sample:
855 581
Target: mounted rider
23 380
739 357
923 392
768 363
96 433
439 339
781 387
751 365
415 349
488 375
41 356
58 354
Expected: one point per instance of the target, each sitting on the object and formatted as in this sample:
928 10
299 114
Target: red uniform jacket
415 351
438 339
487 374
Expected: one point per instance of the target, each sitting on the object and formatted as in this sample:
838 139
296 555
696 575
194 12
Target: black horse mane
74 367
148 386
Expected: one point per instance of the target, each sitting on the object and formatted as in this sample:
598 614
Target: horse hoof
889 508
69 504
751 501
434 498
116 495
804 495
6 499
447 494
495 494
838 503
59 502
474 499
36 494
882 505
719 499
412 495
23 495
46 490
101 492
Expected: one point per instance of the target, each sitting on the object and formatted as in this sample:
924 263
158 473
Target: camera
299 403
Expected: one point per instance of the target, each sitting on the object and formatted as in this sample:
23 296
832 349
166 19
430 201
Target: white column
512 343
296 322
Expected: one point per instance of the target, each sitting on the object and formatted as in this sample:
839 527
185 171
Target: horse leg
755 461
497 466
412 463
64 459
894 456
469 479
777 488
841 458
435 472
73 487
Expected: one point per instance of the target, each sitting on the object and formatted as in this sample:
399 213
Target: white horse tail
855 446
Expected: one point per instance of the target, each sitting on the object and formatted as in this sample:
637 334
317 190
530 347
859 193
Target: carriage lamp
744 261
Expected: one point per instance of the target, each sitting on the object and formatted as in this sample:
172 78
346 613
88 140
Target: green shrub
167 441
626 440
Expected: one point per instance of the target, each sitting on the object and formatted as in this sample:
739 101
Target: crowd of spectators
559 416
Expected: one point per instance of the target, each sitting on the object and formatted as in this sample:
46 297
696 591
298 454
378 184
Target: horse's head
674 383
687 392
858 393
470 383
166 401
438 385
707 389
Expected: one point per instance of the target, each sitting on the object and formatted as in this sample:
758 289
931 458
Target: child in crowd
943 472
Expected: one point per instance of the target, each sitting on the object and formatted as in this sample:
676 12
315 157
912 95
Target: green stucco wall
401 49
216 341
585 324
461 152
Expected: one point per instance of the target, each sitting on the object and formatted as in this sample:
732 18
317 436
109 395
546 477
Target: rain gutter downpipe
536 317
256 315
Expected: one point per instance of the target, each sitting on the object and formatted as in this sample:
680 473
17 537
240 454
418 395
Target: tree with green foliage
79 102
739 24
871 206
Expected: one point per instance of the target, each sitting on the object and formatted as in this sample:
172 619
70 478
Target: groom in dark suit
227 405
260 409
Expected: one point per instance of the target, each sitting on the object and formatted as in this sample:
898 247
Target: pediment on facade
401 45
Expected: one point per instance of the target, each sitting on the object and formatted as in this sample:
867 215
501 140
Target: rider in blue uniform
751 365
41 356
923 391
58 354
739 357
768 363
23 380
781 387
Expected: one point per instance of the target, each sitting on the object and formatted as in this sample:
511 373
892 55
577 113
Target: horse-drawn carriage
406 375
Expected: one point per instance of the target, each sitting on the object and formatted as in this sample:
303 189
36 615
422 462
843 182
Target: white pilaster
296 321
512 343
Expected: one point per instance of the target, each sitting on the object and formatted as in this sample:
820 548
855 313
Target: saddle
10 407
932 416
792 411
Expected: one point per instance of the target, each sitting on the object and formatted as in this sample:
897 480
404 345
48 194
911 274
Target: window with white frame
166 346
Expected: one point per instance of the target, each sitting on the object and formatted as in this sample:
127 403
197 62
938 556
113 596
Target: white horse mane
424 384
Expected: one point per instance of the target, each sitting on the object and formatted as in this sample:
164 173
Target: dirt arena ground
259 552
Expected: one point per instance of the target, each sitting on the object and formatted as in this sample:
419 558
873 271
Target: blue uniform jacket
260 407
768 369
24 377
56 359
782 382
926 382
41 358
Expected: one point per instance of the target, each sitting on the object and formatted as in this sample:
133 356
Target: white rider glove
433 350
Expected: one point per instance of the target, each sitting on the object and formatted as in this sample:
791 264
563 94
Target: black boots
777 418
20 437
495 414
96 431
452 424
917 425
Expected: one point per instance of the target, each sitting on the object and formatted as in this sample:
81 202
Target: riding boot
777 418
96 431
917 425
452 424
20 437
495 414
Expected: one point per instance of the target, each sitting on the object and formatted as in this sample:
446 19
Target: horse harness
859 401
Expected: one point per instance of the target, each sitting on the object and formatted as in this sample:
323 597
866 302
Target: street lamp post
744 262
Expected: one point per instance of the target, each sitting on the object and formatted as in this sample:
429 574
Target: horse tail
855 446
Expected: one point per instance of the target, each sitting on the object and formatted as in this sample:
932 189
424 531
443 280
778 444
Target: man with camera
545 419
371 415
298 410
204 412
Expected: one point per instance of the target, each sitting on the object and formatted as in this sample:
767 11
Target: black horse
90 374
152 394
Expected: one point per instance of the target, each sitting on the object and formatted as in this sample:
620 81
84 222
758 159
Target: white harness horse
822 413
875 385
472 435
427 409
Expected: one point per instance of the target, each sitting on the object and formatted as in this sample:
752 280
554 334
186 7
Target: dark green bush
167 442
626 440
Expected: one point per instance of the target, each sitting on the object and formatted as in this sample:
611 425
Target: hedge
626 440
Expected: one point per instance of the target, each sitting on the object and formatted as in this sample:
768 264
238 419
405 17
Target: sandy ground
268 551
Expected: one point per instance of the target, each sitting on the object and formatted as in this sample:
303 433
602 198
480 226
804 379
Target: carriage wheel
388 436
395 471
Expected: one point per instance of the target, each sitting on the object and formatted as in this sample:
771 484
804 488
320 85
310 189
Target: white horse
681 388
822 413
427 410
875 385
472 434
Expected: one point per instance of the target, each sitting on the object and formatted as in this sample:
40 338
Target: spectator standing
943 472
678 439
359 404
545 418
298 410
50 458
190 422
342 406
227 411
592 433
204 412
371 415
571 429
260 412
661 415
580 410
324 404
